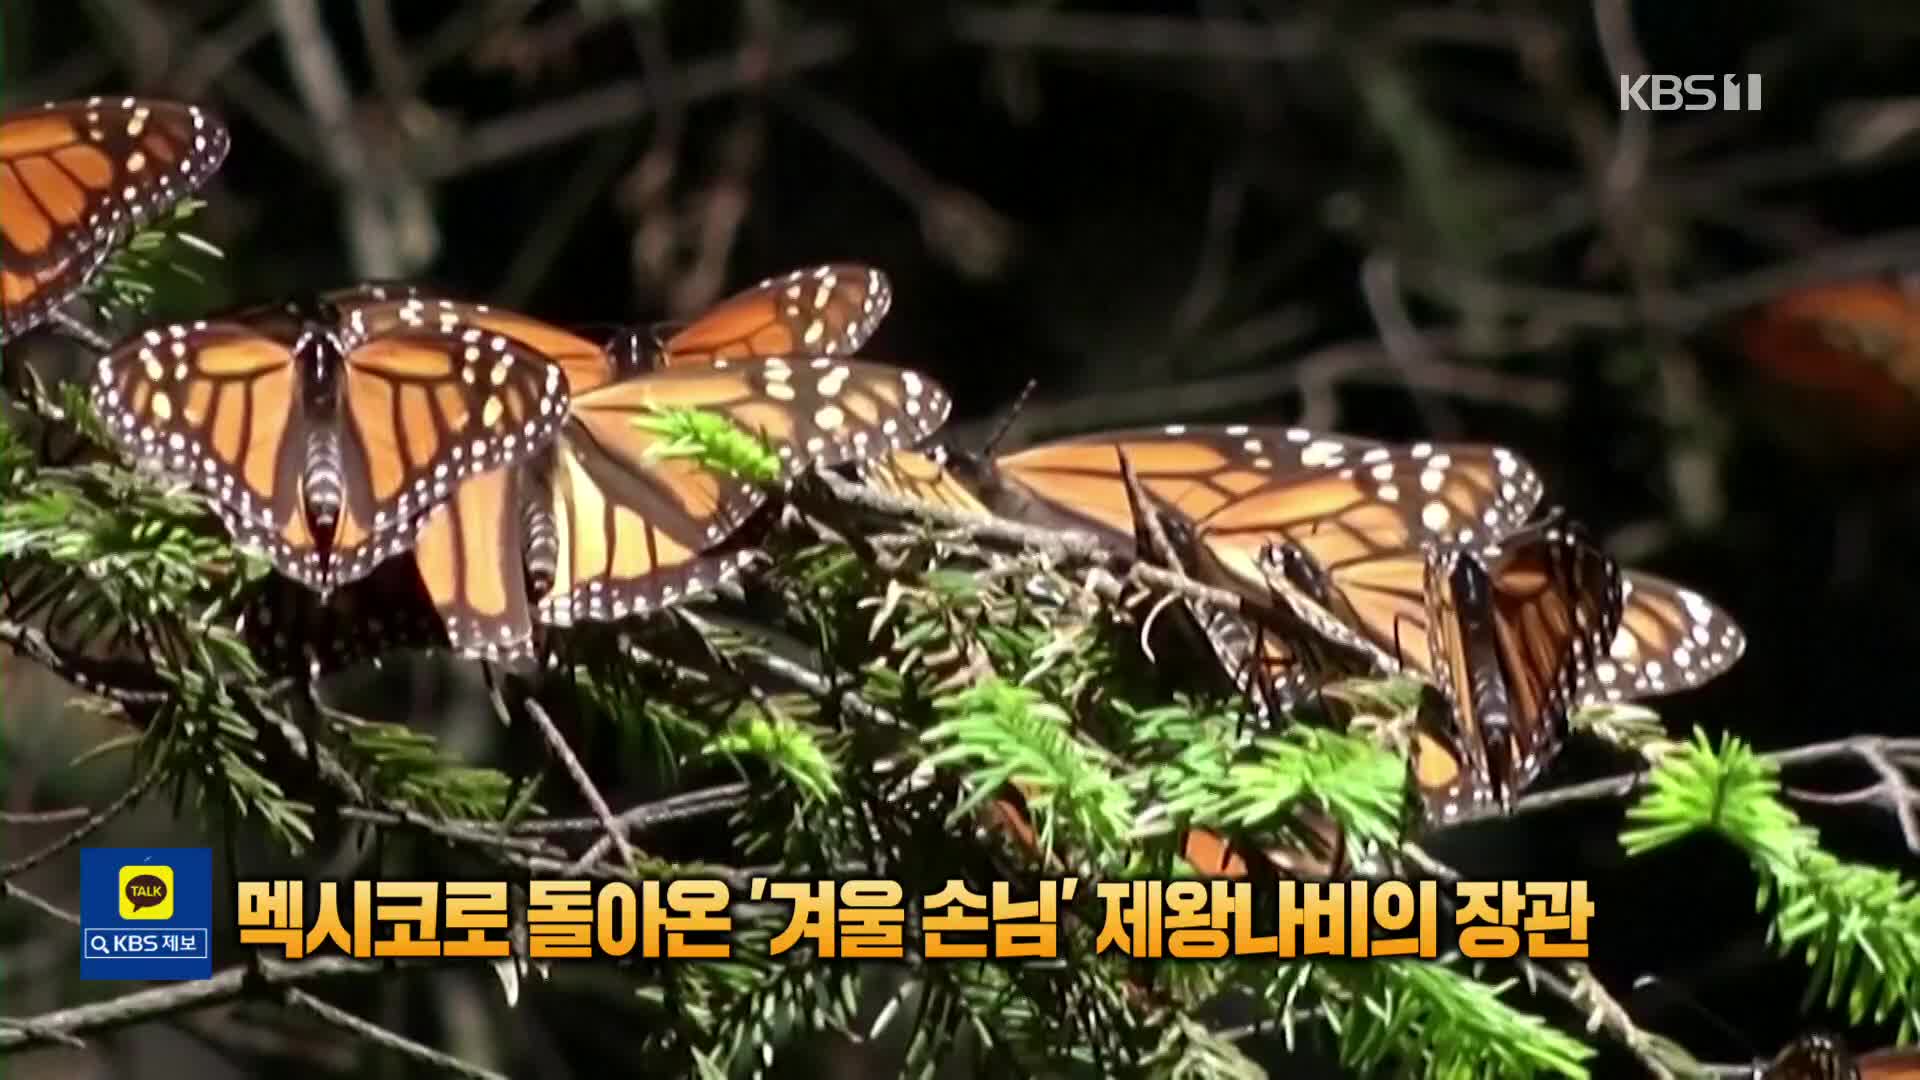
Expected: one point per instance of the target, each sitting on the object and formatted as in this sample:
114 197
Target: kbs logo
146 892
1695 93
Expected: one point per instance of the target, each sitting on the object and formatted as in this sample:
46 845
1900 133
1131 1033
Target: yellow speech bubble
146 892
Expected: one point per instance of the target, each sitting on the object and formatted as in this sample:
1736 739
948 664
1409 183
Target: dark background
1161 213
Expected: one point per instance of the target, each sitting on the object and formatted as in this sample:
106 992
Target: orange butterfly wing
1900 1063
1850 350
1670 639
1516 629
635 528
922 477
828 310
76 177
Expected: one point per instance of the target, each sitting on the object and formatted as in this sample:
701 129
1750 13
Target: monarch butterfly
1899 1063
324 432
1849 352
76 177
1821 1056
818 411
1079 483
597 527
1513 631
826 310
928 477
1420 556
1344 524
1273 479
1362 560
1319 852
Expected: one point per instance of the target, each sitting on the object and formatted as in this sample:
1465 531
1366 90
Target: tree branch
38 903
1881 753
379 1036
114 809
143 1005
625 100
595 801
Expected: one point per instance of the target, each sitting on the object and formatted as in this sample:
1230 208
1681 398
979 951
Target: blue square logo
146 913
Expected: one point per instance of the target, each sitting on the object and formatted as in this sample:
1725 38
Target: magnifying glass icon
97 943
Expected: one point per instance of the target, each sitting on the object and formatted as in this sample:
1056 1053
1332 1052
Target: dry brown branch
380 205
595 801
126 799
1314 377
38 903
381 1037
626 100
43 817
1887 756
159 1002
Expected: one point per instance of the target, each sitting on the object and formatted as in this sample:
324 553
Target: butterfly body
1514 630
1457 577
1816 1056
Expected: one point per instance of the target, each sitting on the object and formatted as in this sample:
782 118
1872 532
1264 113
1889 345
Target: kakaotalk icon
146 892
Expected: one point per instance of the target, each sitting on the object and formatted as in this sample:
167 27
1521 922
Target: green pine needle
713 442
1416 1018
796 750
1011 735
1857 925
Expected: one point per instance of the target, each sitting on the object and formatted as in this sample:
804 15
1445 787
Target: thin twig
39 903
1575 984
1362 361
1405 345
391 1040
34 1030
72 327
30 642
163 1001
463 833
1878 752
322 83
543 126
595 801
43 817
1614 165
93 824
642 816
1221 39
958 225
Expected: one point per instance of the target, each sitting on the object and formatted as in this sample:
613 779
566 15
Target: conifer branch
382 1037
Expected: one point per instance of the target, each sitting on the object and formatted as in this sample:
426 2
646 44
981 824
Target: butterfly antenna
1011 414
1668 990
